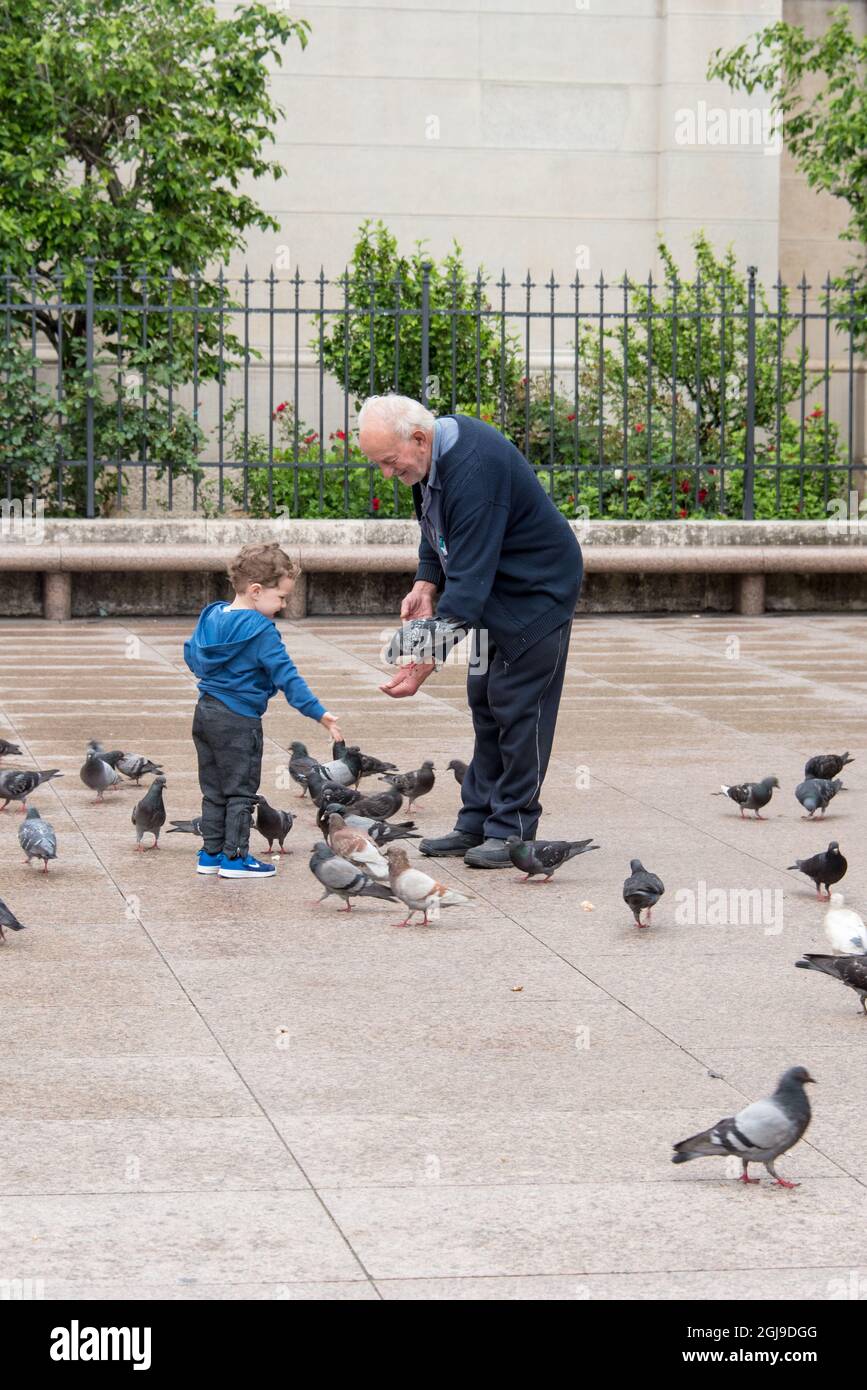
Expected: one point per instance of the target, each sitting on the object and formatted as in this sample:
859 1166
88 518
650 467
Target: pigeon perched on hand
642 890
413 784
16 784
8 749
354 845
544 856
459 769
849 970
344 879
760 1132
844 929
8 919
379 805
273 824
816 792
98 775
750 796
824 869
149 814
418 890
300 764
826 765
37 838
187 827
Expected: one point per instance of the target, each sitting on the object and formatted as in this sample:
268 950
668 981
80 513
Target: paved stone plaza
218 1090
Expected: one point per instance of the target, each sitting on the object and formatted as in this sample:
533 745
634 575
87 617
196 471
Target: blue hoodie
239 657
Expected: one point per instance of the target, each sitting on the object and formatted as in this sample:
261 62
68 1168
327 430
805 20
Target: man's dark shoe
493 854
457 843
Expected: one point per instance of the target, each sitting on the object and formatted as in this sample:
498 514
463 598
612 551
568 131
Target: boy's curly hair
260 564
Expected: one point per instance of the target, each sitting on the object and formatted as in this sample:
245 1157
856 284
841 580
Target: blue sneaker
208 863
245 868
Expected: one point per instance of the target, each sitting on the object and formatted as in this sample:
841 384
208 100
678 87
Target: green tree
825 130
126 127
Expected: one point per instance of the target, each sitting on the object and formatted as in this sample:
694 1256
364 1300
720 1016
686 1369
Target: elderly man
506 565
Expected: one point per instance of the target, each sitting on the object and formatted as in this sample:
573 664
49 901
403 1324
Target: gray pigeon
412 784
642 890
323 789
370 765
8 749
379 805
345 765
459 769
273 824
37 838
750 796
134 766
300 764
98 775
16 784
851 970
824 869
760 1132
149 814
186 827
827 765
343 879
544 856
815 793
380 831
8 919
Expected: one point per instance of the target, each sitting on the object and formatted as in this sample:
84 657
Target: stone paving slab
220 1090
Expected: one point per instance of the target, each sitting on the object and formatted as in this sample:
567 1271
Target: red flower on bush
340 434
570 418
374 502
639 428
712 472
702 494
281 406
311 437
630 477
814 414
571 497
685 485
682 512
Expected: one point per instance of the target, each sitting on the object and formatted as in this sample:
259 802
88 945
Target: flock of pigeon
356 858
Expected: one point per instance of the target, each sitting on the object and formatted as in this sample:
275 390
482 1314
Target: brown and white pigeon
355 846
16 784
750 796
760 1132
418 890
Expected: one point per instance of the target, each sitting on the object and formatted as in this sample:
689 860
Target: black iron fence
703 398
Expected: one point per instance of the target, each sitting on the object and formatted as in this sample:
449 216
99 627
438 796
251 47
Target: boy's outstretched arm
284 673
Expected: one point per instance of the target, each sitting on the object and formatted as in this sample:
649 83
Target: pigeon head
838 785
770 781
795 1076
299 750
322 851
335 820
33 814
397 858
159 781
834 847
635 866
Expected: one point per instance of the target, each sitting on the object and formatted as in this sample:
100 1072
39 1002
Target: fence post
750 449
425 330
88 317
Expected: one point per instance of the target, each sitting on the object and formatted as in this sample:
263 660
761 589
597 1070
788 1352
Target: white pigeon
418 890
844 929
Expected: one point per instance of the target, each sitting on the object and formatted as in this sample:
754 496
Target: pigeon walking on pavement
187 827
98 775
379 805
750 796
642 890
345 765
826 765
134 766
37 838
849 970
815 793
760 1132
344 879
149 814
824 869
844 929
8 749
459 769
323 789
417 890
300 764
8 919
273 824
380 831
534 857
356 846
370 766
413 784
17 783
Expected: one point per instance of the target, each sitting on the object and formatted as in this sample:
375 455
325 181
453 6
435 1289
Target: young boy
241 662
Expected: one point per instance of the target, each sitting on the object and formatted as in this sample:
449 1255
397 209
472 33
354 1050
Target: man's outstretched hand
407 680
419 602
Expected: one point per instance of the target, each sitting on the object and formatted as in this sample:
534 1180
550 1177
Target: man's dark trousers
514 707
229 748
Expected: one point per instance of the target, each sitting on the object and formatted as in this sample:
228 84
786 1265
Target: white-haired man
506 564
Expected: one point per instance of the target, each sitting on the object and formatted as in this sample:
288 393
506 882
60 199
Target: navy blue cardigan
514 562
